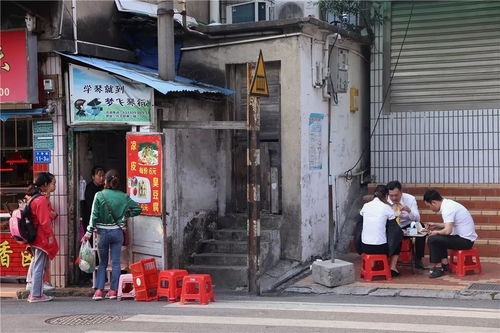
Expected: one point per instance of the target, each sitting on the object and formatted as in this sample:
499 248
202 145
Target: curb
392 292
64 292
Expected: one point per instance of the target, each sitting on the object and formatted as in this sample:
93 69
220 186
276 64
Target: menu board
144 171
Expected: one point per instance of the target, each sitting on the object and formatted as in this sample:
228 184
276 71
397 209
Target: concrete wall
350 135
194 167
210 64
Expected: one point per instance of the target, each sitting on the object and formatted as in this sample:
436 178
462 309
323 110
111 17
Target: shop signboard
18 67
144 171
14 258
97 97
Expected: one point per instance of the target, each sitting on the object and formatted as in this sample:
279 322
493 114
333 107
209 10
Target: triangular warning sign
259 85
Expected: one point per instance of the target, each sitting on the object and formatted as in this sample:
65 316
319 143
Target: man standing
406 205
458 232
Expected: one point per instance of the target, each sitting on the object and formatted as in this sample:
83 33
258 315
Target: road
256 314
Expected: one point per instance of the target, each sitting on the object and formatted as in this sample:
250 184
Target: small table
412 248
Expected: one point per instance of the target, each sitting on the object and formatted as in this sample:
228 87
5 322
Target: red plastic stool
170 284
405 253
463 260
126 287
197 287
367 269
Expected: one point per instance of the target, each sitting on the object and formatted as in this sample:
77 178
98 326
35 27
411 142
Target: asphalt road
320 313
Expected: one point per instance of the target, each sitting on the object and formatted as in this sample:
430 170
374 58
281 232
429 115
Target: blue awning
150 77
6 114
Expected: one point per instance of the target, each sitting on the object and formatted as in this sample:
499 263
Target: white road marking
308 323
351 308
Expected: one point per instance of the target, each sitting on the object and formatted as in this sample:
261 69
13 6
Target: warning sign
259 85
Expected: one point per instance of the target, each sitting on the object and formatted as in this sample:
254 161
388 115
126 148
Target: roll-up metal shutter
450 59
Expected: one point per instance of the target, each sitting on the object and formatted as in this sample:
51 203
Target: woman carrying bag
110 209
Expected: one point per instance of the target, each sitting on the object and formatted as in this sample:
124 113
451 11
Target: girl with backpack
110 209
44 247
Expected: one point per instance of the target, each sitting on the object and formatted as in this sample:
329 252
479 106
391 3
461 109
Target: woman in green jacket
110 209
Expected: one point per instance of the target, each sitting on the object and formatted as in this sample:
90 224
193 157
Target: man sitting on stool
406 205
458 232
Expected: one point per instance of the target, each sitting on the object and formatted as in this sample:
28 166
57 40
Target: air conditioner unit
252 11
284 9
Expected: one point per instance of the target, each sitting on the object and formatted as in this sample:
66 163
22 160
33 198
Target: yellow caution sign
259 85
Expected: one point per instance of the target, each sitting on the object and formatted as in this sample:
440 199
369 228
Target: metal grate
80 320
491 287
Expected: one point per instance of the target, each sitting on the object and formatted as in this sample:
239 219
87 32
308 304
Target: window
16 153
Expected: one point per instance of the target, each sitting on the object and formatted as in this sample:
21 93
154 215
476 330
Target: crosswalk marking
353 308
310 323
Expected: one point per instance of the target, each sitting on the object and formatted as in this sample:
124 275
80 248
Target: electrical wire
348 174
334 93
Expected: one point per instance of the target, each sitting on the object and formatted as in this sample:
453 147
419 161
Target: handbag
124 230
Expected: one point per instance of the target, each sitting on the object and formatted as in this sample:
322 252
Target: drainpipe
166 54
75 34
214 11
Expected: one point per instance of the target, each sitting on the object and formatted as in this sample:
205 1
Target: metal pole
166 54
253 185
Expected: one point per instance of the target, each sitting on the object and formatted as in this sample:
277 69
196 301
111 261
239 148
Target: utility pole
166 53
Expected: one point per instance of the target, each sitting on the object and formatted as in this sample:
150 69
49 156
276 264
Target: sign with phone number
144 171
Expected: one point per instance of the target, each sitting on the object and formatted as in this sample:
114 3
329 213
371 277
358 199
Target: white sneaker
46 286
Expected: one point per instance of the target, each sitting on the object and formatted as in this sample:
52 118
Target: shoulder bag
124 230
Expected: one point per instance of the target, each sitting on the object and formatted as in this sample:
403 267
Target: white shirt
463 225
406 218
375 215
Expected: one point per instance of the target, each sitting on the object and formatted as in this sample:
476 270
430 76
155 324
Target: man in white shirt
406 205
458 232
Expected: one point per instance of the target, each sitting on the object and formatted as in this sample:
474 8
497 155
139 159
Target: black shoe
419 264
394 273
436 272
446 267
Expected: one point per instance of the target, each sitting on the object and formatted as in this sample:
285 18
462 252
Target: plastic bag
86 263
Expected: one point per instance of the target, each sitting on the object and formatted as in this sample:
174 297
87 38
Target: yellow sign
259 85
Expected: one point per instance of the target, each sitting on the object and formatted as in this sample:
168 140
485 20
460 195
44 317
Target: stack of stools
370 263
126 287
405 253
145 276
197 287
170 284
462 261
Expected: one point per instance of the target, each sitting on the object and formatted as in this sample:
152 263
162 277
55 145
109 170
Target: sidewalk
413 285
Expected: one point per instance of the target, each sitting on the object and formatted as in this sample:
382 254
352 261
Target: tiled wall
59 199
460 146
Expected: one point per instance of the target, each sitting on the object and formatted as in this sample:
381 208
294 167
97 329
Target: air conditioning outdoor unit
252 11
284 9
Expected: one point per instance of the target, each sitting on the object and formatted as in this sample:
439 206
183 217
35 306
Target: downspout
214 11
75 34
166 54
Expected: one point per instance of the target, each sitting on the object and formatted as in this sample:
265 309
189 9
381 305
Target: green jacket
120 204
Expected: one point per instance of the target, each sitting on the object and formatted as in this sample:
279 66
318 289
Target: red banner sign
144 171
13 67
14 258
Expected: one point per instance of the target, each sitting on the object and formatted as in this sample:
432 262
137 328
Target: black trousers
439 245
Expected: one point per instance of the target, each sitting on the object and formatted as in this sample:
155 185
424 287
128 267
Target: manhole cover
77 320
492 287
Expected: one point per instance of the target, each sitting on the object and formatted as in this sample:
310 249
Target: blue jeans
109 239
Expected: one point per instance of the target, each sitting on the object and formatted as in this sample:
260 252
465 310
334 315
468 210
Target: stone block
333 274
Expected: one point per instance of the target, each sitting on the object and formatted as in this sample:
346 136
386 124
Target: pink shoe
98 295
43 298
111 294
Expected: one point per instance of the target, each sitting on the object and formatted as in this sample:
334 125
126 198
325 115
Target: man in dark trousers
457 231
406 210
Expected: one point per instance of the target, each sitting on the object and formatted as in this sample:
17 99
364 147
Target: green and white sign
99 97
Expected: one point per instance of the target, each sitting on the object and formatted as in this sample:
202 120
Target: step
241 235
449 189
471 203
479 216
485 231
239 221
223 276
488 247
223 246
221 259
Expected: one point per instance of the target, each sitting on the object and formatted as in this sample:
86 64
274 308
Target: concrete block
333 274
496 296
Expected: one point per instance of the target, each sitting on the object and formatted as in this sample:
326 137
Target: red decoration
14 258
